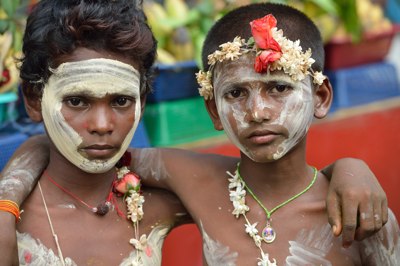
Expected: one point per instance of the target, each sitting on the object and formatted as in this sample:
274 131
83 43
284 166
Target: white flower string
128 184
237 193
292 61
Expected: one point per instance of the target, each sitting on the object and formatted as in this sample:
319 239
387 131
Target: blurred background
362 45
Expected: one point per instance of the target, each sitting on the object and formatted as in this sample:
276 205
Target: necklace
101 209
268 233
127 185
237 193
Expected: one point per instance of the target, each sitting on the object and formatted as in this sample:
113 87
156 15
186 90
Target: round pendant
103 208
268 234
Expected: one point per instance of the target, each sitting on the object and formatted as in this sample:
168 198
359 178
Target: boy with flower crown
263 85
205 191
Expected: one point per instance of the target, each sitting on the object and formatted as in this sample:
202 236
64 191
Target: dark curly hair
57 27
295 26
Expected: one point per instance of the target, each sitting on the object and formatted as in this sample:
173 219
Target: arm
16 182
383 248
356 203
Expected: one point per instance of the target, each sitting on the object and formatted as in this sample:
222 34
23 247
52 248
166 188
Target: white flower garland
237 195
294 62
134 203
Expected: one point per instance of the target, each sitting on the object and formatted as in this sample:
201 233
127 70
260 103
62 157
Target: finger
334 215
384 211
349 219
366 223
377 216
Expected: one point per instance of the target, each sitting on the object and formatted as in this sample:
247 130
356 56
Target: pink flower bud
128 182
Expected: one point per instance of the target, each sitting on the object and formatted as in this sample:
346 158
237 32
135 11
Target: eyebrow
95 93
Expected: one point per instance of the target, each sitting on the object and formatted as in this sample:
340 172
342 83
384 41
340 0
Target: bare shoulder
163 206
179 165
189 161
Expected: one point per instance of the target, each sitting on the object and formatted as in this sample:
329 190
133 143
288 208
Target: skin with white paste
77 78
267 117
269 102
91 107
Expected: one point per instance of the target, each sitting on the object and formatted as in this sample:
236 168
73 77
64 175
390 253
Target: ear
33 108
323 99
211 107
142 105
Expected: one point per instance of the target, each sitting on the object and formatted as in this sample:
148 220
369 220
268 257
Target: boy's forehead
95 77
242 70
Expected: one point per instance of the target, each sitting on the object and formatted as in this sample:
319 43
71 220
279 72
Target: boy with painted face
87 82
199 180
263 85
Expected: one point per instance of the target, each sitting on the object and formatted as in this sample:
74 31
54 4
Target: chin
262 156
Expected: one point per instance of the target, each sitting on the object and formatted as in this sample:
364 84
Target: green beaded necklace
268 233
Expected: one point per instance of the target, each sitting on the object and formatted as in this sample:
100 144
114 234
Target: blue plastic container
140 139
174 82
363 84
392 10
7 107
9 142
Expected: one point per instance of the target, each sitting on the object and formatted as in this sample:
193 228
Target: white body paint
151 164
20 177
96 77
312 246
295 114
41 255
215 253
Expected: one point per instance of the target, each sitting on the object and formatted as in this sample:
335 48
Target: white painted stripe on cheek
97 77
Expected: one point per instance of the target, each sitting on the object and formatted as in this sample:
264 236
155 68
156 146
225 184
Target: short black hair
57 27
295 25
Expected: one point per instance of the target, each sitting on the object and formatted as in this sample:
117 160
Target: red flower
270 48
263 60
128 182
5 77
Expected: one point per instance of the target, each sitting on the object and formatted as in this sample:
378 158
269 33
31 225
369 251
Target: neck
74 179
283 176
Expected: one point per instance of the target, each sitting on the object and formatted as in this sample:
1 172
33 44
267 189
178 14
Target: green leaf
17 40
206 8
9 6
328 6
347 10
4 25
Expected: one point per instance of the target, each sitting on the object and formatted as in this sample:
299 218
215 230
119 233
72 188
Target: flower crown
273 52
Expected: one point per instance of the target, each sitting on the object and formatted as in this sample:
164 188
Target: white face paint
96 77
260 107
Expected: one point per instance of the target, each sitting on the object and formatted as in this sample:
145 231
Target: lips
99 151
263 136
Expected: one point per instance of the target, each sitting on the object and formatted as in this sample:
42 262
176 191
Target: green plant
12 19
12 24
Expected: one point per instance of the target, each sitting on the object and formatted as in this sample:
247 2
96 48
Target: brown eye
122 101
74 101
235 93
280 88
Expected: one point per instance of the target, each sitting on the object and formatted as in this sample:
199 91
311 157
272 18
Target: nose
101 120
258 109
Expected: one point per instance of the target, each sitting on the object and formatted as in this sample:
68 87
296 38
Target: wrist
11 208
